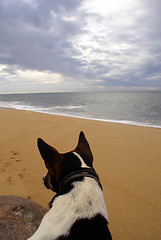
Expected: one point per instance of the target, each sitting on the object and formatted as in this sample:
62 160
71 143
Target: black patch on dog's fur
89 229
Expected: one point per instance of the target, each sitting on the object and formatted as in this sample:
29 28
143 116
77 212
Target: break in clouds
59 45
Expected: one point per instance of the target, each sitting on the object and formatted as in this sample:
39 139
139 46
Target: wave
65 111
23 106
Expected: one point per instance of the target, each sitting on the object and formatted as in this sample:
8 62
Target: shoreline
125 122
126 157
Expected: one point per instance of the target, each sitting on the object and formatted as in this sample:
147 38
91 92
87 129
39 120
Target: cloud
84 44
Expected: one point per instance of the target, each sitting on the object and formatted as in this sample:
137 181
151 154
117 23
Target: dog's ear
49 154
83 146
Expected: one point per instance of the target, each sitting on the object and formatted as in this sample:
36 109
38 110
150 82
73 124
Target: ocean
135 108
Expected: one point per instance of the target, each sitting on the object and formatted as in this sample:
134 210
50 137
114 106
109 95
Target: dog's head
59 165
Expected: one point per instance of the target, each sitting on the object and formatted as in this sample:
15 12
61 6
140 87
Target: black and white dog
78 210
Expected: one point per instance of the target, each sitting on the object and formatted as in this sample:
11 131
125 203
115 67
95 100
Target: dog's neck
76 175
83 172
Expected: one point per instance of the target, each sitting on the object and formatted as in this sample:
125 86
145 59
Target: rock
19 217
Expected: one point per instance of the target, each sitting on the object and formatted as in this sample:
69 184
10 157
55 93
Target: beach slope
127 159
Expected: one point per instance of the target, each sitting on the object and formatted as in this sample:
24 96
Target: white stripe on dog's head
83 164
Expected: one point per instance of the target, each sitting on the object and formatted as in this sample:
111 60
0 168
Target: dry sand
127 159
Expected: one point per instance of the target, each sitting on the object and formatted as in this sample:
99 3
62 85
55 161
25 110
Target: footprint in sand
5 166
14 154
2 169
18 160
9 180
21 175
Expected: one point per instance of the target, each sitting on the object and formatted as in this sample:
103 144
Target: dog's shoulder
95 228
81 210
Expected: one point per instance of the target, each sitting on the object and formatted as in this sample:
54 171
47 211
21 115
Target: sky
76 45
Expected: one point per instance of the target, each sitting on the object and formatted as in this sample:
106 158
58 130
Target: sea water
136 108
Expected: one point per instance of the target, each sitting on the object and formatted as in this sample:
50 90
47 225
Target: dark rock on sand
19 217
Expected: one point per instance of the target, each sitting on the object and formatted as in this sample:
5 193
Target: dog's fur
78 210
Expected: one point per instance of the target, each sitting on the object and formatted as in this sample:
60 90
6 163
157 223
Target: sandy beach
127 159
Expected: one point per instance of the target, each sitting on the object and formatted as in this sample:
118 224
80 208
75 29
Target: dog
78 210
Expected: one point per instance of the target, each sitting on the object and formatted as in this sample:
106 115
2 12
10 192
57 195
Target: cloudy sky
76 45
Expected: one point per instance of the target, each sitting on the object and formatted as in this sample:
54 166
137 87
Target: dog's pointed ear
49 154
83 146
